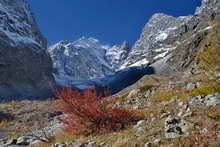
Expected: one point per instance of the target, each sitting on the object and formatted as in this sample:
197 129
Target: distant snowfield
138 63
87 58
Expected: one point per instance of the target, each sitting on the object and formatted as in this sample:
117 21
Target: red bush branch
86 112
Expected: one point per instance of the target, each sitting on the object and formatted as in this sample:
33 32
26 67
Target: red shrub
86 112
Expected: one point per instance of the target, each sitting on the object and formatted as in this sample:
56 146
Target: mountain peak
88 39
209 9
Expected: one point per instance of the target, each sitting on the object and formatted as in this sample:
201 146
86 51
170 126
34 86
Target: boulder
209 100
61 144
175 127
133 93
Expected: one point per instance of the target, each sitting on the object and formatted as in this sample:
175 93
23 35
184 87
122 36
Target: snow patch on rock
162 36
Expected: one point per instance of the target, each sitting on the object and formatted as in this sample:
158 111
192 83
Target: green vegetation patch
206 88
209 57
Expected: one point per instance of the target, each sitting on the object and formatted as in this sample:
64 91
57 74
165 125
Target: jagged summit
86 58
18 26
162 34
209 9
157 38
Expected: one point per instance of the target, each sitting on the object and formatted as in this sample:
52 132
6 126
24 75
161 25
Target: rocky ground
27 121
175 109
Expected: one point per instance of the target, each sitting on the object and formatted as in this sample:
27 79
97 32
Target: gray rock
11 142
148 145
212 100
180 104
185 107
184 111
26 140
190 86
152 117
35 143
209 100
188 114
217 74
140 123
61 144
164 115
157 141
87 144
180 114
175 127
196 100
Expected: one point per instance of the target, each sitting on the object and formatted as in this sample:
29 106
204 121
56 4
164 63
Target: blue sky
110 21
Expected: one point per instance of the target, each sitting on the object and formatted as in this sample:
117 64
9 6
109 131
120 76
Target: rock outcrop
209 9
25 67
170 43
159 37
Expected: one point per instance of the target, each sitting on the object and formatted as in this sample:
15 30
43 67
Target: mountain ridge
103 59
23 48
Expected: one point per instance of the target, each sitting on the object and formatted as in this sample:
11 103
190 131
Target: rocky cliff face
25 68
164 37
86 58
209 9
160 36
183 58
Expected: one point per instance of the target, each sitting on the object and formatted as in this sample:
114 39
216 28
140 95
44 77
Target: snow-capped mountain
18 26
163 33
117 54
160 36
86 58
26 69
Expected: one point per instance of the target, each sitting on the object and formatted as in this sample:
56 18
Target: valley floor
176 111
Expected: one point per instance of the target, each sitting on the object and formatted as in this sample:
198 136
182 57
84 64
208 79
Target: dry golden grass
26 116
120 98
168 94
209 56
